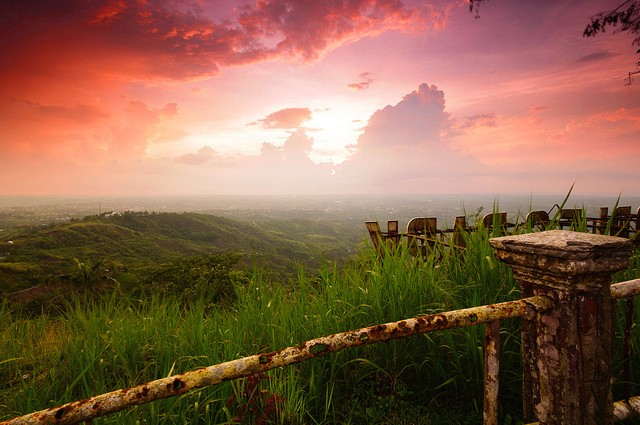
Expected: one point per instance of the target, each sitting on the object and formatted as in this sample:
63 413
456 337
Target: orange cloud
144 126
135 40
308 29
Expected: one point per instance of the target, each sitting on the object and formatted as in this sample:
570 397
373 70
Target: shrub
212 276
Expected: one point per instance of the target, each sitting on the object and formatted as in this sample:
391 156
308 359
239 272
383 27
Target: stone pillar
566 352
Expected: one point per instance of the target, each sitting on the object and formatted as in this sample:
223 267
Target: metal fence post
566 352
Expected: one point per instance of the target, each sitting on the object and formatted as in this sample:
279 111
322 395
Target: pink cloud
611 134
205 155
595 57
538 109
404 147
364 83
287 118
285 169
418 119
480 120
539 153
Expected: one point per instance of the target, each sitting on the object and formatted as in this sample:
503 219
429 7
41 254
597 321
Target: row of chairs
622 223
423 231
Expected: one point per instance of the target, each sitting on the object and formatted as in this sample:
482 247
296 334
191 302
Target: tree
625 17
92 273
212 276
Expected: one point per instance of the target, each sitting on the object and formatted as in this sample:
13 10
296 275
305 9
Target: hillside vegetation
129 246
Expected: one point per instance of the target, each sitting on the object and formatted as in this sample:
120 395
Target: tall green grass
99 344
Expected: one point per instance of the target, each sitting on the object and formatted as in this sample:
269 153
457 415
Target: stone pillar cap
564 251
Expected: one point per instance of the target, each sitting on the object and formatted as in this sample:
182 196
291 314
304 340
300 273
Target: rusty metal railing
622 410
626 289
104 404
115 401
626 409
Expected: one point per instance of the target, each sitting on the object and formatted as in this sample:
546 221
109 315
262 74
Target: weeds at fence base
253 405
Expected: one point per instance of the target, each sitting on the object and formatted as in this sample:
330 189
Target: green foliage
250 403
89 273
210 276
20 267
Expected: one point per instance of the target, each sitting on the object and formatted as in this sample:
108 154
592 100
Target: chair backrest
392 231
392 227
571 214
422 226
376 235
569 217
623 212
537 218
499 219
459 227
622 221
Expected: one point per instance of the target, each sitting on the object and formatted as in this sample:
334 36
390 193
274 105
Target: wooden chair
497 220
380 238
570 217
537 220
459 227
622 222
422 232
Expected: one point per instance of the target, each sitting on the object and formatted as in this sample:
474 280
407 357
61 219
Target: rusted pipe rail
626 289
626 409
622 410
115 401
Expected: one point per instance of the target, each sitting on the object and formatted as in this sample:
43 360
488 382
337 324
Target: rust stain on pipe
115 401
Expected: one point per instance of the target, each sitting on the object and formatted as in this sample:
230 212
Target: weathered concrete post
566 352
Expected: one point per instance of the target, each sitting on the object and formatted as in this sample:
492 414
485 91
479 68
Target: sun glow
332 131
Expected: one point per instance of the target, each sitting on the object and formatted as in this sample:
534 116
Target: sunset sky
153 97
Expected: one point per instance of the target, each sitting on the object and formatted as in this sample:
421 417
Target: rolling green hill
133 243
